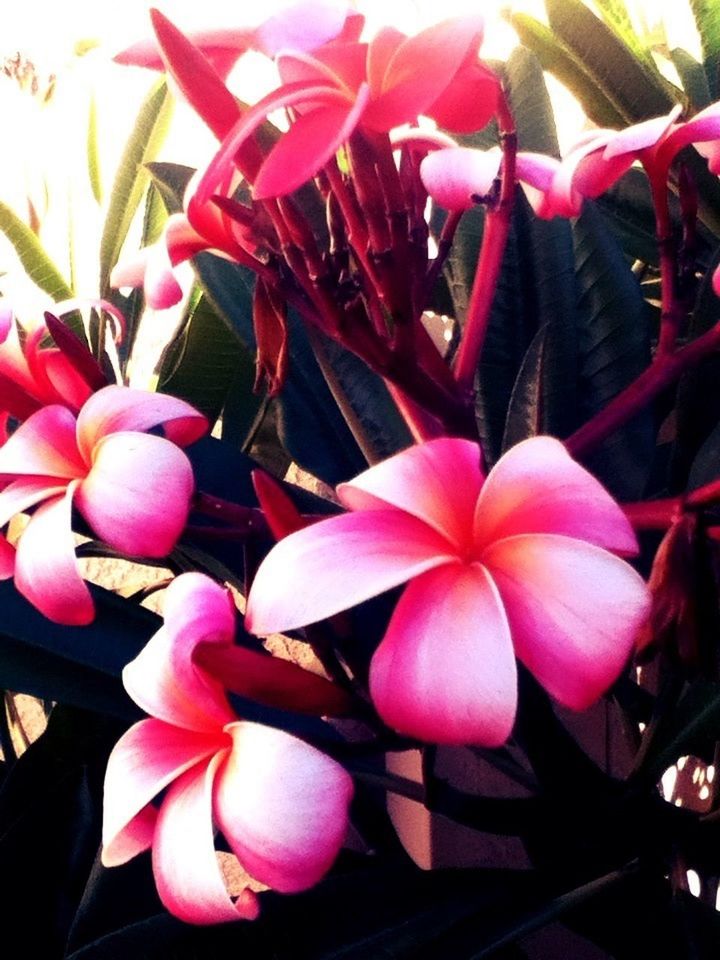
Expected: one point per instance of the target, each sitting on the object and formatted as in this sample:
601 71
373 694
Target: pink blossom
377 85
280 803
33 373
133 489
299 26
521 562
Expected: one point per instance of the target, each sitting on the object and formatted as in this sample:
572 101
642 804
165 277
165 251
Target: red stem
671 309
654 514
495 234
651 382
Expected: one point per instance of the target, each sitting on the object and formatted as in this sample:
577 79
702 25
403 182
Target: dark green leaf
171 179
615 14
50 818
200 364
692 726
634 87
628 210
54 662
697 442
693 78
133 177
614 348
560 61
531 104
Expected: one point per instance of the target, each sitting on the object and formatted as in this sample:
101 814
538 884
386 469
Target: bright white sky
49 143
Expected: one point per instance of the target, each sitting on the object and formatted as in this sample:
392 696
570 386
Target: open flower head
280 803
521 563
132 488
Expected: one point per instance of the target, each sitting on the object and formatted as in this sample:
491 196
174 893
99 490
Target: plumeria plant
417 650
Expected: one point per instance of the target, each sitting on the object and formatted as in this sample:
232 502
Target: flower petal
187 874
311 141
282 805
20 495
453 176
337 563
46 571
44 446
421 69
116 408
536 487
137 494
437 482
574 611
163 679
301 26
148 757
195 74
445 670
7 559
272 680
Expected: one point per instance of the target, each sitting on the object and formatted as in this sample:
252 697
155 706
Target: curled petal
46 571
640 136
282 805
437 482
337 563
20 495
116 408
454 176
536 487
163 679
187 874
421 68
148 757
574 611
310 142
272 680
44 446
445 670
136 496
289 95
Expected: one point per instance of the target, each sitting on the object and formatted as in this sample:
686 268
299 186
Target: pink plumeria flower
33 374
521 562
299 26
281 804
379 85
133 489
455 177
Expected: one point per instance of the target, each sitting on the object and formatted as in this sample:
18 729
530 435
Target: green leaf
697 440
199 365
531 103
526 412
614 348
616 16
693 78
93 153
707 21
79 665
628 210
559 60
171 179
635 89
691 727
33 257
132 177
